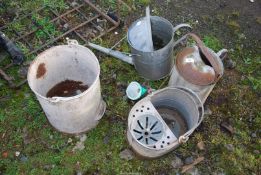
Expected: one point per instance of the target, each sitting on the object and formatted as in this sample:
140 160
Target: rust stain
189 72
41 70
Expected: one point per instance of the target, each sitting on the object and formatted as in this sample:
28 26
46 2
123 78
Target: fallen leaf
227 127
126 154
201 145
176 162
5 154
188 167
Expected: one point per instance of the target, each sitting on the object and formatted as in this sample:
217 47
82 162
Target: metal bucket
163 120
74 114
152 65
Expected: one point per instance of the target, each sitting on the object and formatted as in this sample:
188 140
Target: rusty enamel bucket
65 64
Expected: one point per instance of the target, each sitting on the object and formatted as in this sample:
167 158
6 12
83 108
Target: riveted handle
72 41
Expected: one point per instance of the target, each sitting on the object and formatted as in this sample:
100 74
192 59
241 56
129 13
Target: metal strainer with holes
163 120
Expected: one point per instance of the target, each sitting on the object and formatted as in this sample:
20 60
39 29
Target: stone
17 153
230 64
230 147
83 137
27 95
27 63
69 140
189 160
114 76
201 145
106 139
66 26
22 72
23 158
26 137
207 111
125 97
47 167
254 135
193 171
177 162
74 4
79 146
126 154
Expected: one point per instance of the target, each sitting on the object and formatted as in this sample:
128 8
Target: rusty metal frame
23 37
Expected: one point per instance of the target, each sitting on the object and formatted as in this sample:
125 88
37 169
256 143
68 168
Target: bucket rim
155 17
64 98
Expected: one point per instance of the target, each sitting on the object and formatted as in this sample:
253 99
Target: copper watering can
198 68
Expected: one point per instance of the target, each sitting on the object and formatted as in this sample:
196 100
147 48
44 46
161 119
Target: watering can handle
177 28
222 54
208 55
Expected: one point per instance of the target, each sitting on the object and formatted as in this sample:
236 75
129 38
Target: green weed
212 42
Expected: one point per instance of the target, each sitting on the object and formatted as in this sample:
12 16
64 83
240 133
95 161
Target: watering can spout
114 53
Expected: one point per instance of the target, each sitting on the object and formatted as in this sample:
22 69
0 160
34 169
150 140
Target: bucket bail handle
72 41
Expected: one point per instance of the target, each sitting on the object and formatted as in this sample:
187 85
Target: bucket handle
184 138
56 99
72 41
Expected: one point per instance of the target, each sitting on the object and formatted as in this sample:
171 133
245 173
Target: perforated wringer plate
148 127
163 120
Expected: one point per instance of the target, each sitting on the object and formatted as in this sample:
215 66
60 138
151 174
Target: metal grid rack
82 21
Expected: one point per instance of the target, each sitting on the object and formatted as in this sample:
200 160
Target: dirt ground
230 134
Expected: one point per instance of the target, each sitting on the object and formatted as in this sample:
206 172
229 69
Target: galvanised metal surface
163 120
156 64
152 65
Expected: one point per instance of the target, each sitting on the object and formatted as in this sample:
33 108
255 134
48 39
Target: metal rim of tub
67 98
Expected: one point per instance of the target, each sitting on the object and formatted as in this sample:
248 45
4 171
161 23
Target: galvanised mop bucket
68 63
163 120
